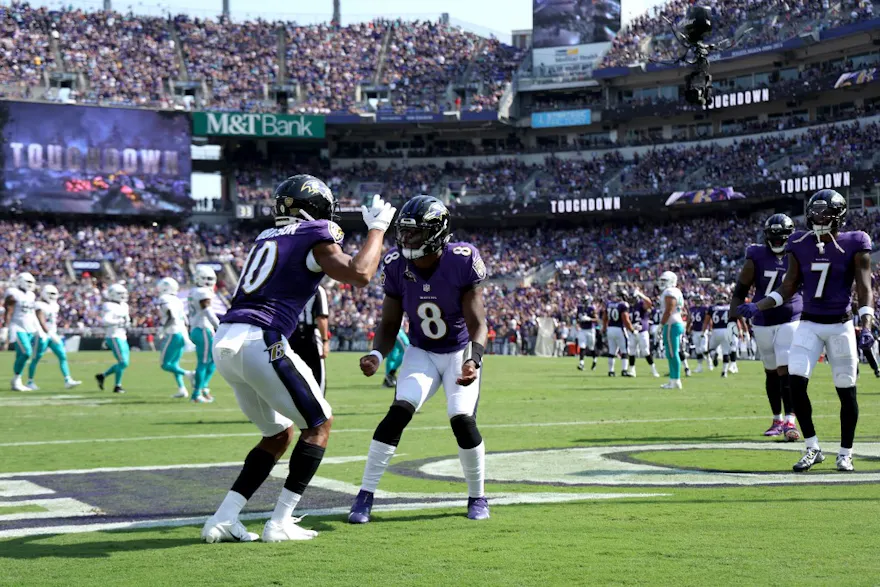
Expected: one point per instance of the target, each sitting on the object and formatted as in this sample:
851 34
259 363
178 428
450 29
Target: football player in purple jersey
774 329
616 325
824 263
699 338
586 333
639 340
274 387
436 284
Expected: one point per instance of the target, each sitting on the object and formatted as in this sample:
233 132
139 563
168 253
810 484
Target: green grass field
645 487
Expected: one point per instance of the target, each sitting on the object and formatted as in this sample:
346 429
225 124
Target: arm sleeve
212 317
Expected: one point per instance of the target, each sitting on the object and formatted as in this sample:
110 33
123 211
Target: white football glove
379 215
4 335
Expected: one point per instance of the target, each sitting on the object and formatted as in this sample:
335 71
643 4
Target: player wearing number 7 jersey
774 329
435 283
825 262
274 387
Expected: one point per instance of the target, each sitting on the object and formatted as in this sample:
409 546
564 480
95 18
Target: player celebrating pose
616 324
274 387
47 316
20 324
586 334
116 319
774 329
825 262
672 302
699 336
395 358
435 283
639 340
203 324
172 320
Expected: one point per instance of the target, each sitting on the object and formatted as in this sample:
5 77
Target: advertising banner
856 78
704 196
92 160
561 118
264 125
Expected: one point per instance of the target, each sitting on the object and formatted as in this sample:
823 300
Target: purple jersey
769 269
720 315
615 311
641 315
586 317
697 316
433 303
827 272
280 276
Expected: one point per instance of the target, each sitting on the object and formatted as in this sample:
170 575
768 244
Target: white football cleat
181 393
215 531
17 385
285 531
844 463
672 385
32 386
699 369
71 383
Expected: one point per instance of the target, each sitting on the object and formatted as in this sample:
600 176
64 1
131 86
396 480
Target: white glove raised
379 215
4 335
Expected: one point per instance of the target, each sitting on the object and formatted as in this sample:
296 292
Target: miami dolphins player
436 283
20 324
672 302
116 319
395 358
203 323
47 316
172 320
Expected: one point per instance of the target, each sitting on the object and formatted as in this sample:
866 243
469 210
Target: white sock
726 366
625 363
844 452
581 362
286 503
378 458
610 364
473 465
789 418
812 442
17 379
232 505
778 417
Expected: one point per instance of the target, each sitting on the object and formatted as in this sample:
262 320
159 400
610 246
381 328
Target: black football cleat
625 374
812 457
580 366
118 389
612 374
593 368
877 373
100 379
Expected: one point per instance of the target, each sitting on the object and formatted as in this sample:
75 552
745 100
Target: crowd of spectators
24 46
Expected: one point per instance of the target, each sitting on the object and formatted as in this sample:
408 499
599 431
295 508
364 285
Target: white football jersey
173 314
50 315
674 293
24 315
116 318
197 316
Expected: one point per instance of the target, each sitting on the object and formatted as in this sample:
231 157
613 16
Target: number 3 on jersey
432 323
258 267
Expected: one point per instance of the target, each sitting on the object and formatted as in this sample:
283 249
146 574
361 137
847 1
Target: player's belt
826 318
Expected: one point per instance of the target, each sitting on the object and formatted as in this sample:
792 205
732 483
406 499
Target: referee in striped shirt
311 339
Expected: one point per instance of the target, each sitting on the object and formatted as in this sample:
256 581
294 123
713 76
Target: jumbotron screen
92 160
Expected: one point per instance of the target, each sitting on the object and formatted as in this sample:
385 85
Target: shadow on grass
33 547
624 440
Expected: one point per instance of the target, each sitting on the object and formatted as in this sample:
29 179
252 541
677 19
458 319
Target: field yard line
364 430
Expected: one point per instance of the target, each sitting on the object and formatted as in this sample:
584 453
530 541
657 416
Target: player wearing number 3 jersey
274 387
435 283
825 263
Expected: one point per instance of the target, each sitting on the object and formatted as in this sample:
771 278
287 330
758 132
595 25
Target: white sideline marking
371 430
495 499
21 488
59 507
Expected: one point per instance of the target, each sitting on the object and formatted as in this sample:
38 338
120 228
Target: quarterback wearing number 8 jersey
825 263
435 283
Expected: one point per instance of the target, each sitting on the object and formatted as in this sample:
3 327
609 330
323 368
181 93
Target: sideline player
47 316
203 323
436 283
116 319
699 336
826 262
616 324
586 334
275 389
20 324
639 340
774 329
395 358
172 320
672 302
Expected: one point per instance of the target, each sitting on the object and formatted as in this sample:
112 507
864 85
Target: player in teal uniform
172 318
20 324
203 324
116 319
47 316
395 358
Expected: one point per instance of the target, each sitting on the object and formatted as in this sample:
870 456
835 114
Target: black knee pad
391 427
465 430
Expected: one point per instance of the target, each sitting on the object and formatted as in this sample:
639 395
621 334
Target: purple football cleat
478 508
775 428
360 510
791 432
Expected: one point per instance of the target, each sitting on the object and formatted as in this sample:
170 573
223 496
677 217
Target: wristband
473 352
866 311
377 354
776 298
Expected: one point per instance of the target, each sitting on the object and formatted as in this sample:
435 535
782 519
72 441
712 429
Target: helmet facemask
416 241
823 219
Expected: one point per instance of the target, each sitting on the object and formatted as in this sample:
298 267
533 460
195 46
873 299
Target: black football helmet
305 197
777 230
422 227
826 212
